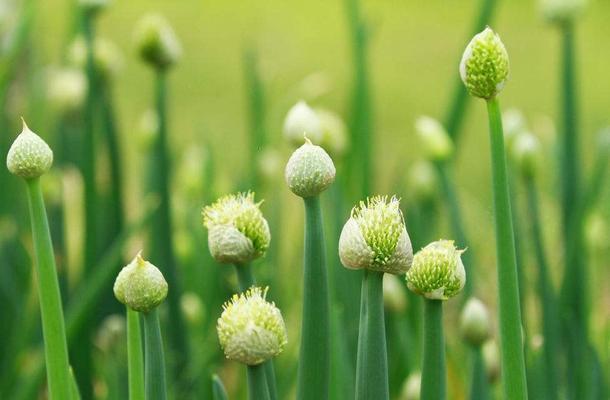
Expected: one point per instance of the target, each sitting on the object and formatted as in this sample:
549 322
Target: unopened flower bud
156 42
302 120
422 181
237 231
437 272
484 67
474 322
334 132
491 357
412 387
140 285
526 153
559 11
66 89
309 171
394 298
111 333
107 58
251 330
375 237
436 142
192 307
29 155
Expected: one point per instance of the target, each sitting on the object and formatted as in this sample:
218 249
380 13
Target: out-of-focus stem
479 387
154 371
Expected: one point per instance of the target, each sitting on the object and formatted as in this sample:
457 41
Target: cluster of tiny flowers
437 272
251 330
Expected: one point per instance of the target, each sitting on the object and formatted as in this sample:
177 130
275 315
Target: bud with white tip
140 285
484 67
435 139
309 171
156 42
66 88
237 231
437 272
29 156
474 322
251 330
526 153
375 237
491 357
302 120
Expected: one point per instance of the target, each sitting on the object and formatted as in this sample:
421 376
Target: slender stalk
513 364
314 363
257 383
135 358
53 330
550 323
154 371
372 364
218 389
75 393
479 387
434 379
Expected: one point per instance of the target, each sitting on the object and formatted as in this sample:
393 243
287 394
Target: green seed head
140 285
484 66
474 322
302 120
251 330
237 231
526 153
375 237
559 11
437 272
156 42
29 156
334 132
436 142
309 171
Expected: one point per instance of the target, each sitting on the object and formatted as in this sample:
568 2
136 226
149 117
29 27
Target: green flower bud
526 153
394 298
302 120
484 66
156 42
309 171
422 181
251 330
334 132
437 272
559 11
140 285
237 231
375 237
29 155
474 322
412 387
66 89
436 142
107 57
491 358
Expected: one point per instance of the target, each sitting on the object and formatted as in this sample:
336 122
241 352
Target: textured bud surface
140 285
484 67
437 272
29 155
251 330
302 120
474 322
156 41
309 171
375 237
436 142
237 230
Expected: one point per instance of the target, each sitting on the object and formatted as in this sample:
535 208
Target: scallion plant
484 70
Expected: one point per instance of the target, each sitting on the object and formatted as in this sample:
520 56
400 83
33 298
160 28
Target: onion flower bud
474 322
302 120
140 285
309 171
29 156
436 141
156 42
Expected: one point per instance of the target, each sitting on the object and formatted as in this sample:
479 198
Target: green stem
314 364
53 330
257 383
218 389
513 364
372 364
433 378
135 359
154 372
479 387
548 301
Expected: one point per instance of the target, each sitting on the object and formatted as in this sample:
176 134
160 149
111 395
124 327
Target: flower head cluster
484 67
437 272
140 285
29 155
237 231
156 42
251 330
375 237
309 171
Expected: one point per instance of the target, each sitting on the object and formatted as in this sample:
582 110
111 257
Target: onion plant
484 70
29 158
141 287
437 274
374 239
309 172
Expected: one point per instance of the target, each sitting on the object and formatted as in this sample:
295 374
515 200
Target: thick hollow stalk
372 363
433 378
53 329
479 387
135 358
154 371
314 361
257 383
513 364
